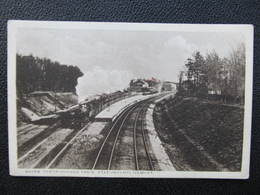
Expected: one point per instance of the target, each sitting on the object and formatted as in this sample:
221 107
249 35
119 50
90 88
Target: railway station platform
112 111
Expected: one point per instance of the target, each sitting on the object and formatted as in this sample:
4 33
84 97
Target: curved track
106 151
106 155
143 160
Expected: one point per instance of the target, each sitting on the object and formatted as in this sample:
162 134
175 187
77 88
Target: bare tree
236 67
224 77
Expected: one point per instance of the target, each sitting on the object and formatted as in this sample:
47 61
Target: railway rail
105 155
140 139
142 156
50 159
106 151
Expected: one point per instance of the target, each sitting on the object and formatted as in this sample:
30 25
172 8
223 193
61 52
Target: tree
236 66
215 71
196 74
190 75
181 78
222 76
35 74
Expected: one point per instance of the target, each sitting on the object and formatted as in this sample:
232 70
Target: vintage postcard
88 99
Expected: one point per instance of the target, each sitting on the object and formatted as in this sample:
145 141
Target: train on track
77 115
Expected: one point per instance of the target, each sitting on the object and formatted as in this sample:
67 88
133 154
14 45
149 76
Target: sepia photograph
93 99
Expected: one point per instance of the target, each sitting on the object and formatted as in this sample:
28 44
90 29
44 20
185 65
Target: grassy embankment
201 135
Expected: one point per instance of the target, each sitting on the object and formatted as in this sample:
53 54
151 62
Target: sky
109 59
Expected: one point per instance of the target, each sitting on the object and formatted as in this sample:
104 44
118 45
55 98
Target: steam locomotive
78 115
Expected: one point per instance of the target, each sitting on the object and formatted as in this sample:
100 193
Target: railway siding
81 148
35 156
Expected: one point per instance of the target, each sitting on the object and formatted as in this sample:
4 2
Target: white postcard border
13 25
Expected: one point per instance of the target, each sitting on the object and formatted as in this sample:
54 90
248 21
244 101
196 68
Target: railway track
40 157
105 157
106 151
143 159
35 141
141 155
